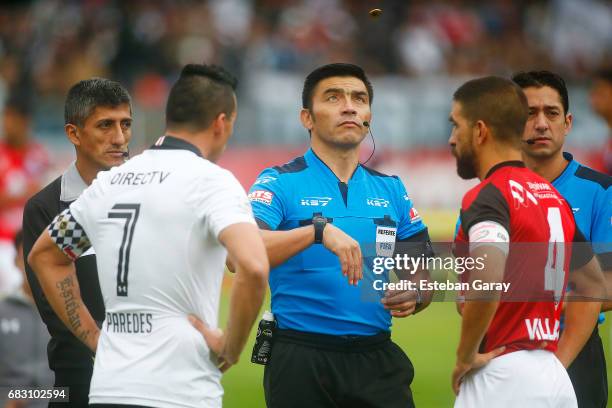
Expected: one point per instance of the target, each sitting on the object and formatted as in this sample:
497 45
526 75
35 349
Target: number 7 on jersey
128 212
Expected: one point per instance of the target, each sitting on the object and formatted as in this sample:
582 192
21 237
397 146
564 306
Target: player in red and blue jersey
517 224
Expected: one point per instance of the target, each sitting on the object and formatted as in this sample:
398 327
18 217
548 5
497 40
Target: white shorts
527 378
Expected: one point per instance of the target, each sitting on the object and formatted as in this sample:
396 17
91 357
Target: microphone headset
367 124
529 141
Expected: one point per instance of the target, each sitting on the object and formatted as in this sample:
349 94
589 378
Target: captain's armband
69 235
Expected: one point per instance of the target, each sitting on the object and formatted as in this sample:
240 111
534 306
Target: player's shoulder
482 188
207 174
378 174
588 176
388 182
48 196
274 175
515 176
294 166
379 177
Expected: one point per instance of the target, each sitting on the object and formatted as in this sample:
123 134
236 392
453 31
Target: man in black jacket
98 119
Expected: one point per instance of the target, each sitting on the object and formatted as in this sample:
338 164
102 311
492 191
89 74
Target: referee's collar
312 159
568 172
174 143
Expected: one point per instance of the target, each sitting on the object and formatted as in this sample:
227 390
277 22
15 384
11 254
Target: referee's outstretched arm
282 245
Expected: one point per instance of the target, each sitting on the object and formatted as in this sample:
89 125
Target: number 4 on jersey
128 212
554 272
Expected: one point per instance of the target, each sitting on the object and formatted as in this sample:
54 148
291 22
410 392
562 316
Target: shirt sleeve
69 235
267 198
582 251
83 209
489 205
601 228
224 203
410 222
68 228
36 218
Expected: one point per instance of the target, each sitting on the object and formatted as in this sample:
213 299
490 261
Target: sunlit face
340 105
461 143
547 124
103 139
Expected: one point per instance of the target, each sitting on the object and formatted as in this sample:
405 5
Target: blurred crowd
47 45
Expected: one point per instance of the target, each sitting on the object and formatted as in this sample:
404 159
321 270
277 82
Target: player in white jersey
162 226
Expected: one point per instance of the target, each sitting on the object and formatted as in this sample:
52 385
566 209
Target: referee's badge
385 240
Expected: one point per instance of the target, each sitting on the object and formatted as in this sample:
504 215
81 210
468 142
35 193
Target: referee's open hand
215 339
347 250
400 303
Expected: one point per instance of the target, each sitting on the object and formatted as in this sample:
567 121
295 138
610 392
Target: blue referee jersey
309 292
588 193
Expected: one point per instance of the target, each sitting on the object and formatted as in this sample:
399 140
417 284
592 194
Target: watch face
319 220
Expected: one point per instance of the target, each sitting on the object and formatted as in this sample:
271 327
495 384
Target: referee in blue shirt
588 193
324 218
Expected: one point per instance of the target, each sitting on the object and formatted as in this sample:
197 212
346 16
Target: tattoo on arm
72 307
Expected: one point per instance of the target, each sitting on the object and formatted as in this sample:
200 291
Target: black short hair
539 79
18 239
333 70
604 74
84 96
201 93
499 103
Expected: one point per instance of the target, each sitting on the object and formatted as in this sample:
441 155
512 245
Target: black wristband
319 224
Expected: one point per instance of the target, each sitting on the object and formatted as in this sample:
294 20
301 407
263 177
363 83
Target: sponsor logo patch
315 201
265 180
414 215
385 241
377 202
261 196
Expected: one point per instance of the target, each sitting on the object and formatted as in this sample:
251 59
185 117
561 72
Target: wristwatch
419 298
319 223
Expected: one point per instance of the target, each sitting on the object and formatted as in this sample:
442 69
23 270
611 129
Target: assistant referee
98 117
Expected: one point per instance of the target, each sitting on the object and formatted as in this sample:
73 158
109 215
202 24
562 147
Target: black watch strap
319 222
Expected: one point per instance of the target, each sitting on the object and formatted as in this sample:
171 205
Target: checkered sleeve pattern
69 235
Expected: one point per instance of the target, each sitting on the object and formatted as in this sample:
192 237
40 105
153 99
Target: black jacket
68 357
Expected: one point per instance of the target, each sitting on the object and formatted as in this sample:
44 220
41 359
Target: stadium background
416 53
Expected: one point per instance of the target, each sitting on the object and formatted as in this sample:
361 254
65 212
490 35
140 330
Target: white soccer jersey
154 223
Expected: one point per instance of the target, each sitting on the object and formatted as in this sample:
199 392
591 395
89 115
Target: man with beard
509 353
318 214
590 196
